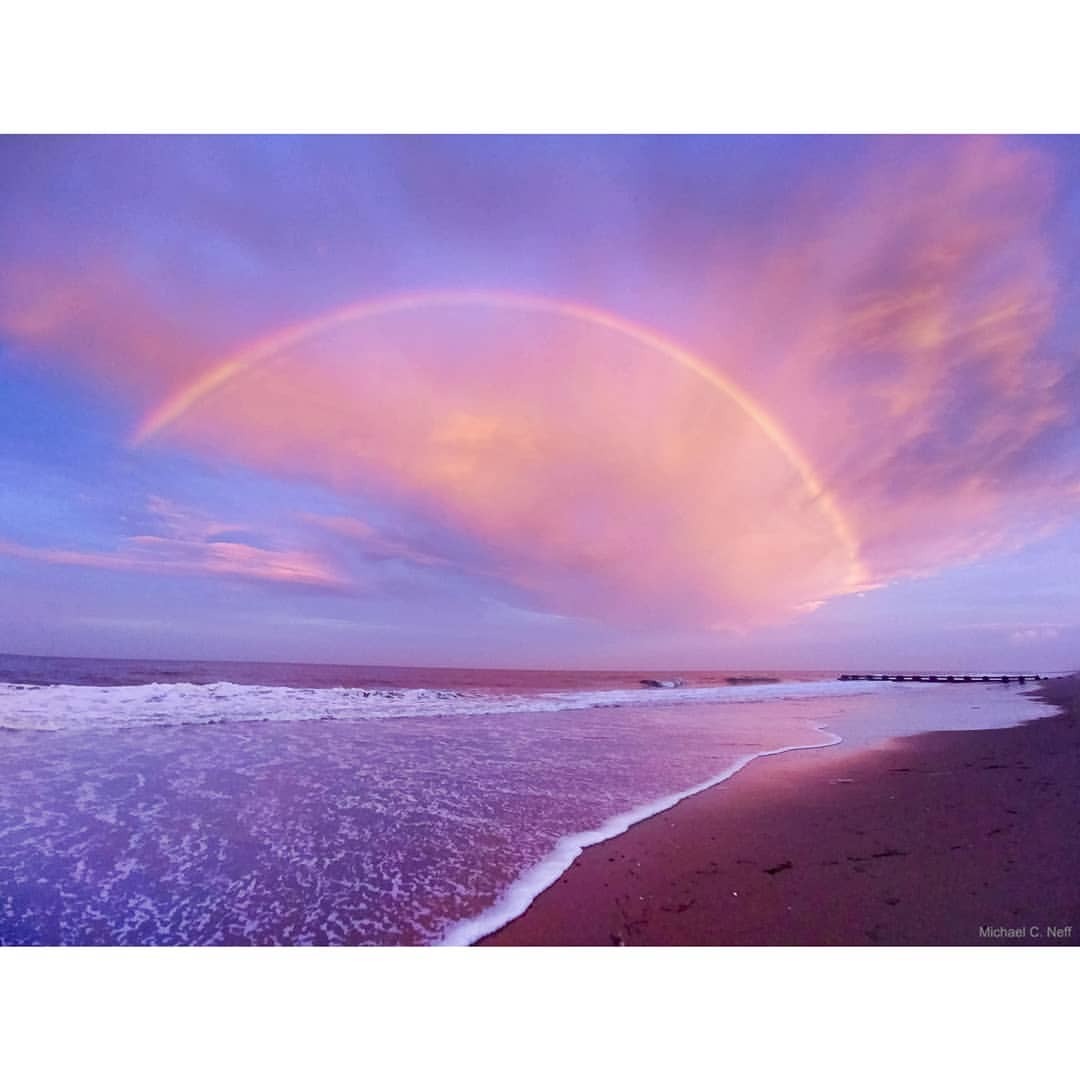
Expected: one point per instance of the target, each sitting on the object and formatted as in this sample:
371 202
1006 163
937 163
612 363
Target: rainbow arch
227 369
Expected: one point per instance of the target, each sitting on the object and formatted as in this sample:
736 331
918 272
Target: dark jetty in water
942 678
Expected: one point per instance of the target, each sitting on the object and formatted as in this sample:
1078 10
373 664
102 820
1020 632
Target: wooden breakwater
940 678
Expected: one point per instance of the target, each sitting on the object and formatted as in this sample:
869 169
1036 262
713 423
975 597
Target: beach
945 838
201 803
192 803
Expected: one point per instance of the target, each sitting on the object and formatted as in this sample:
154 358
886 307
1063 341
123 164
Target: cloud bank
898 315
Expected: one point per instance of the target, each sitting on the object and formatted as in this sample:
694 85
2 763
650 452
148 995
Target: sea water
151 803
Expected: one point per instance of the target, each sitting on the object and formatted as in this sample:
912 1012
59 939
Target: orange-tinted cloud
595 473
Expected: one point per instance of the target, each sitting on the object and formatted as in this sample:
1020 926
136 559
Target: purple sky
532 401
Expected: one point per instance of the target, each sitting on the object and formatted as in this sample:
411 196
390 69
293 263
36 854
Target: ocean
150 802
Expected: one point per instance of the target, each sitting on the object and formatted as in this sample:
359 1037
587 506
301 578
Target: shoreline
941 838
539 878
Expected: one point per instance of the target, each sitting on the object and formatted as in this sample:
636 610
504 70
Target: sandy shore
922 841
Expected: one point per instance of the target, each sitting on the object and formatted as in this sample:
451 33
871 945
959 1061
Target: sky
521 401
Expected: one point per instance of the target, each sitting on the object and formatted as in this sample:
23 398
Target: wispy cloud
1031 634
187 547
372 542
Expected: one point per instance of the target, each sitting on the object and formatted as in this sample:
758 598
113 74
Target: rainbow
227 369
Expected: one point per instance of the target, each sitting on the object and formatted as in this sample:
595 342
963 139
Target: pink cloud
101 315
371 542
897 332
588 469
909 353
188 549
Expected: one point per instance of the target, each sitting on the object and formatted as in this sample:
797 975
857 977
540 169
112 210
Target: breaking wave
26 707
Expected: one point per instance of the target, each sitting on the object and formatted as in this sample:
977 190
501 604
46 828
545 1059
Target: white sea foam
83 708
1007 707
418 816
522 892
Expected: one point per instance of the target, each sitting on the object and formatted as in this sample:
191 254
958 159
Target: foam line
61 707
519 896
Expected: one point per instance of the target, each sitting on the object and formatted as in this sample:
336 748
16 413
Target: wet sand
924 840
